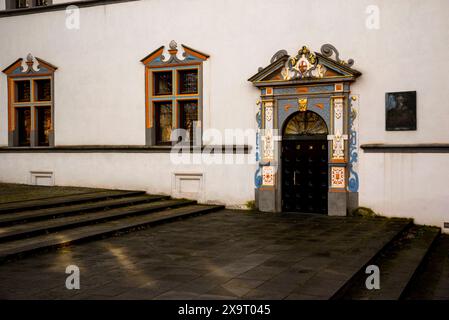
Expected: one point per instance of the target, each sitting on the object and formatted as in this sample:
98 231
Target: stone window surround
57 7
33 105
10 4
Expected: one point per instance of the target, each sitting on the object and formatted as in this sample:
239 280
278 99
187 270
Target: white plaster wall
2 4
406 185
100 81
224 184
100 74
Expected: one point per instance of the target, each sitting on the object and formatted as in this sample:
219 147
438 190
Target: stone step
331 281
398 265
432 279
63 238
42 214
46 226
65 200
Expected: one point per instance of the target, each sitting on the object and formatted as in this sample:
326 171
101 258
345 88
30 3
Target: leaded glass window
174 101
189 116
24 126
164 114
188 81
43 126
41 3
23 91
33 109
43 90
306 123
163 83
22 4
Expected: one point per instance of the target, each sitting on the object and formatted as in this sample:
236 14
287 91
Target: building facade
288 105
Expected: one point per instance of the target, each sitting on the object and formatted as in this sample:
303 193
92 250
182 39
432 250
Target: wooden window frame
11 4
33 104
174 98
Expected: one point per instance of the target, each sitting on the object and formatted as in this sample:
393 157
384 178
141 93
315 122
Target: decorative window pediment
157 58
32 66
306 66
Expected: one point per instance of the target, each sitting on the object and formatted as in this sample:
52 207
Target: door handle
294 178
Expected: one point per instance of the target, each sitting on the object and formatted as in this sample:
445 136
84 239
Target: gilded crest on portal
304 64
302 104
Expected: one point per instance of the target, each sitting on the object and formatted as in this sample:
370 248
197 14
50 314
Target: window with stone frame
31 103
173 95
24 4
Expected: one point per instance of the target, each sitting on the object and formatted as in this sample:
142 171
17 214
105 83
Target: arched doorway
305 163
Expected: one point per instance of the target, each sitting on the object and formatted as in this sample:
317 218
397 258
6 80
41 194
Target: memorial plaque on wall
400 111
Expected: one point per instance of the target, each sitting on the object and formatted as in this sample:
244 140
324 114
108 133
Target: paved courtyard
222 255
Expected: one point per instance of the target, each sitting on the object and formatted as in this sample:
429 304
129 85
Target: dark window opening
306 123
23 4
20 4
163 83
24 126
188 81
188 117
164 125
43 126
42 3
23 91
43 90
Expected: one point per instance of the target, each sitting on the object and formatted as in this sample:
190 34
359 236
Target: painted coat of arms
303 65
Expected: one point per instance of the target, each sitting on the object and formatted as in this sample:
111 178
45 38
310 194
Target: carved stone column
337 199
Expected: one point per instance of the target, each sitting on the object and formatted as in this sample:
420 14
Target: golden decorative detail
285 74
302 104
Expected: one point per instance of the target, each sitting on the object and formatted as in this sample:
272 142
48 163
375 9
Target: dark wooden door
304 176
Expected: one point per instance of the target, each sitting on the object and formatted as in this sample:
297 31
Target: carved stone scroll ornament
328 50
32 65
278 55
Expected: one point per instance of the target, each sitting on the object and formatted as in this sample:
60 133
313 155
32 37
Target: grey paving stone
177 295
220 256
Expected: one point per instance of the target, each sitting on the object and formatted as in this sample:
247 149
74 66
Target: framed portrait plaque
400 111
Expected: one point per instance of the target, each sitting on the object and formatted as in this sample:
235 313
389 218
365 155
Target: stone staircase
35 225
399 262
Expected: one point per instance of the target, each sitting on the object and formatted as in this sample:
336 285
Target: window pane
306 123
40 3
163 111
24 126
43 90
163 83
22 4
188 81
189 114
43 126
23 91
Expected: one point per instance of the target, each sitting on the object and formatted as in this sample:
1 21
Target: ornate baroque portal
307 112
